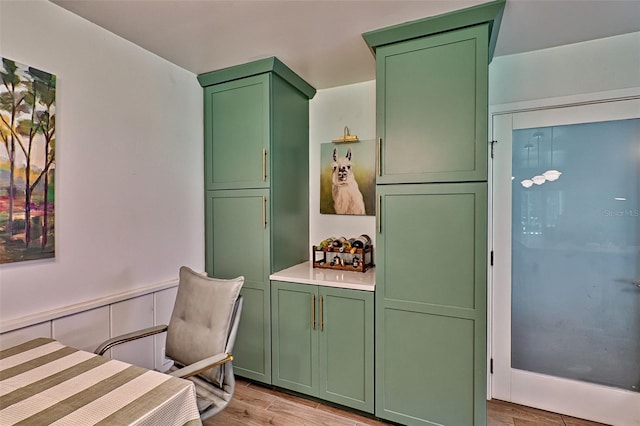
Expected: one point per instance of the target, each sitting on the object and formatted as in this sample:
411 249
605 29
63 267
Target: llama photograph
347 178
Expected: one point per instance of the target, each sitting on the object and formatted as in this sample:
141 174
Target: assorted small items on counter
353 254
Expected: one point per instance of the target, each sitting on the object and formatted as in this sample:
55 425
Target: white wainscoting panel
164 301
87 325
131 315
84 330
21 335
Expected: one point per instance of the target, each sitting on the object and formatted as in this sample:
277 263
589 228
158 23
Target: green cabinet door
295 337
346 347
432 108
236 133
237 243
323 342
431 304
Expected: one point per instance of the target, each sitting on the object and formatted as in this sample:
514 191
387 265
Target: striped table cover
43 382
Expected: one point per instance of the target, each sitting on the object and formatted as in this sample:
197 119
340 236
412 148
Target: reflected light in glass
551 175
620 199
527 183
538 180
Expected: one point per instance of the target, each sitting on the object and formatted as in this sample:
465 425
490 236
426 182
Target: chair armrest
202 365
105 346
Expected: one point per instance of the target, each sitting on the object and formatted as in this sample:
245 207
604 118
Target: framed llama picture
348 178
27 162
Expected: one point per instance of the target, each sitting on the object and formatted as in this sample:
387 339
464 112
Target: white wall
329 111
609 64
129 175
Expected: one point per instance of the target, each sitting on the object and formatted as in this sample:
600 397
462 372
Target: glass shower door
574 261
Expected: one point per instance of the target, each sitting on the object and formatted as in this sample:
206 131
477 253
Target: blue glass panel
576 252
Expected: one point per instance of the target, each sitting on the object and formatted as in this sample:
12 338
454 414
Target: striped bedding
43 382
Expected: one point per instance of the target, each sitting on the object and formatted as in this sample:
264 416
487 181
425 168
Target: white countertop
305 273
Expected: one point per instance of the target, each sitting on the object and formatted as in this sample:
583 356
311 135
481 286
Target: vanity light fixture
346 137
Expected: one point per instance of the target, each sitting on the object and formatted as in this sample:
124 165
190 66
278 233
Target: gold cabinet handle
264 165
379 156
313 311
321 315
264 212
379 214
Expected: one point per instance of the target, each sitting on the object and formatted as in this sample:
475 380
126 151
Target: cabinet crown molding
260 66
486 13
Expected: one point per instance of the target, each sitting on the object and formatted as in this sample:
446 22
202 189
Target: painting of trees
27 162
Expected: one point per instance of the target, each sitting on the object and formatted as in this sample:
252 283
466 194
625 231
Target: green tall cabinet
256 156
431 264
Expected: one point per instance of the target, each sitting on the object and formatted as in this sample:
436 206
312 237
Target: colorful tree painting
27 162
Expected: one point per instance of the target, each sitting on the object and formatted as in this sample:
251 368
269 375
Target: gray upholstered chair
200 337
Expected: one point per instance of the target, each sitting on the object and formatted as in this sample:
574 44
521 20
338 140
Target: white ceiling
321 40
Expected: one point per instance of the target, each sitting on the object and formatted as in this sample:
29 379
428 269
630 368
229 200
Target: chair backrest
204 321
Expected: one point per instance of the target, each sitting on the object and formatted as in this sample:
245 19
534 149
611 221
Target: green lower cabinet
252 350
294 337
431 304
346 347
237 243
322 342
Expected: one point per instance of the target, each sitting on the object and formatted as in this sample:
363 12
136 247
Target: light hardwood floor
254 405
